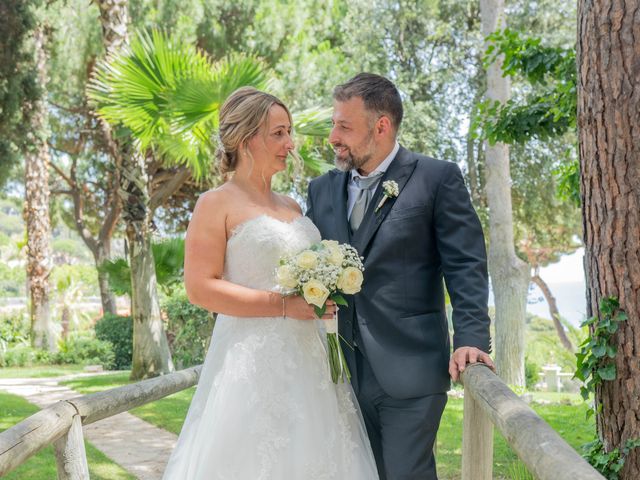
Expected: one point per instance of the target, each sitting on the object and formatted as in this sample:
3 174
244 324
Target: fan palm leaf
168 94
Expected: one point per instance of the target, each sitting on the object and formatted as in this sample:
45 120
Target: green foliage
568 175
12 280
168 95
543 346
23 355
14 330
85 350
118 331
119 275
550 109
82 277
531 371
169 265
528 57
10 221
72 248
595 359
610 463
518 471
189 330
18 81
169 261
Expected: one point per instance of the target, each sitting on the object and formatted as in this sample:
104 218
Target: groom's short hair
378 93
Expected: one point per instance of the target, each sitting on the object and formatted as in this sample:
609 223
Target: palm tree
36 210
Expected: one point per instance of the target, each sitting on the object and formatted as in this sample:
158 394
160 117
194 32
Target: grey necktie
366 186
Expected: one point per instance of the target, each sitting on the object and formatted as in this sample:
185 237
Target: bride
265 406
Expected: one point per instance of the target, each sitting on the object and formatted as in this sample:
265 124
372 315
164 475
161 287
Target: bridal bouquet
324 271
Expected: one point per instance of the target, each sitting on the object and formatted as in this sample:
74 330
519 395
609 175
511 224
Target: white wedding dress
265 407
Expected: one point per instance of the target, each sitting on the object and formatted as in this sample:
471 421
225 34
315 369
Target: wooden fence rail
487 402
61 423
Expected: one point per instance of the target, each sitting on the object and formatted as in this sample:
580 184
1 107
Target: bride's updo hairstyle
241 116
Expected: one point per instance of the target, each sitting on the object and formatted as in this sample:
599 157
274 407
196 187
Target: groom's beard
351 161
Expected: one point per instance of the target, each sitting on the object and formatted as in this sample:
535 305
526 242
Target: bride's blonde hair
241 116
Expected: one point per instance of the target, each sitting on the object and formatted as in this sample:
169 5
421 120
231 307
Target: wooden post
477 441
71 456
546 455
23 440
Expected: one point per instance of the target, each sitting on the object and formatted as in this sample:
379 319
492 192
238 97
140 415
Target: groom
411 218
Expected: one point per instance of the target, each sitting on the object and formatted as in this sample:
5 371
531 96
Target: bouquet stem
337 363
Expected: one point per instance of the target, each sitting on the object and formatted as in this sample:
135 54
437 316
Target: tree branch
160 195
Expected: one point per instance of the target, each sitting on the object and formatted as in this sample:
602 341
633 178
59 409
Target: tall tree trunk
608 124
553 310
36 210
107 298
509 274
151 355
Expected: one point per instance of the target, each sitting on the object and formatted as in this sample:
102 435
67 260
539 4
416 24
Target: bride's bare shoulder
217 199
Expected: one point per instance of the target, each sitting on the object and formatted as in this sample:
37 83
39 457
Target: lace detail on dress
265 407
256 246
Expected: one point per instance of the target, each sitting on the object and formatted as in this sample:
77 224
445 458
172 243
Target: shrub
12 281
23 355
85 351
119 332
531 374
14 329
188 330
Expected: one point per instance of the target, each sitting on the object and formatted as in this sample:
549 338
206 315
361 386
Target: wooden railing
487 402
61 423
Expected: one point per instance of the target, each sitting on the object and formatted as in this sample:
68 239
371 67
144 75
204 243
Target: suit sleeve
461 247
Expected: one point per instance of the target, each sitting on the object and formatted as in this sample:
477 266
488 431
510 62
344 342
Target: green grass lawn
568 420
566 415
39 371
42 466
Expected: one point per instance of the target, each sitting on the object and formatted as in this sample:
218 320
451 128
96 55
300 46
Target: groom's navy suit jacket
429 232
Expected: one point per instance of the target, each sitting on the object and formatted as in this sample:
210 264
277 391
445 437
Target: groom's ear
384 126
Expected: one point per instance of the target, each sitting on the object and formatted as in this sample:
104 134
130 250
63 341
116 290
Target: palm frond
313 122
313 159
197 101
168 94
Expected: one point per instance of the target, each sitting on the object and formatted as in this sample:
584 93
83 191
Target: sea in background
567 283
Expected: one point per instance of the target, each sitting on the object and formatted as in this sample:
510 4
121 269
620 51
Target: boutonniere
390 190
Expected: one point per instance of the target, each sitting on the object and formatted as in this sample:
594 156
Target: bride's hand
297 307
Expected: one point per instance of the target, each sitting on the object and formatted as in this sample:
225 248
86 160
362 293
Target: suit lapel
400 171
339 199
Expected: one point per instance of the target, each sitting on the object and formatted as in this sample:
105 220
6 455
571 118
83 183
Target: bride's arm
205 247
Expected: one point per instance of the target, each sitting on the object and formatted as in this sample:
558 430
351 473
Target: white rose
315 293
330 243
307 259
285 277
350 281
335 256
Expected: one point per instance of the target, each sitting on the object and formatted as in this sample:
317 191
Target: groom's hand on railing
465 355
